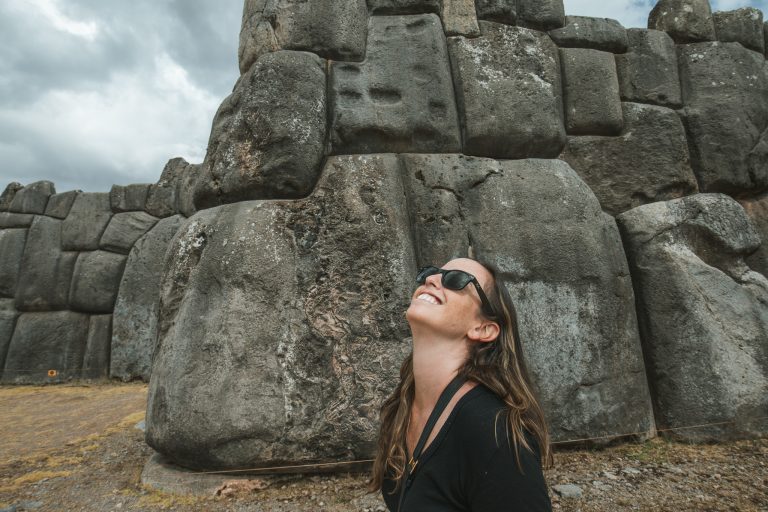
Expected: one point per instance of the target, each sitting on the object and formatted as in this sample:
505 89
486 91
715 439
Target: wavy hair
498 365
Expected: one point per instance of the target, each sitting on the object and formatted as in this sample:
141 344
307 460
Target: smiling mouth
428 298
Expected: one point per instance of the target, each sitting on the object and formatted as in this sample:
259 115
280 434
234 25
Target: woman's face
450 312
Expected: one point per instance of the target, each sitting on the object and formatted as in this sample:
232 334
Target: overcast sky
102 92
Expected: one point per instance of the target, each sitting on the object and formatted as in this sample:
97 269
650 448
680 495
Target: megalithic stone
686 21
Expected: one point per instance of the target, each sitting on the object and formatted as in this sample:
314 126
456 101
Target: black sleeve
501 486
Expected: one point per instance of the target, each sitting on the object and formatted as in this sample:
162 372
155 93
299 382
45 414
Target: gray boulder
16 220
86 222
756 209
743 26
32 198
379 7
586 32
95 281
703 314
277 106
565 270
648 71
6 198
459 18
96 357
46 347
333 30
12 243
508 75
686 21
281 324
135 314
124 229
129 198
500 11
163 196
648 162
59 205
46 270
401 97
8 316
591 92
726 131
540 14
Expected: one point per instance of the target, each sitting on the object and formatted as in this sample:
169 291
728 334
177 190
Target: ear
484 332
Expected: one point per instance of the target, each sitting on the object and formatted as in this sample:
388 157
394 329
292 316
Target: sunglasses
457 280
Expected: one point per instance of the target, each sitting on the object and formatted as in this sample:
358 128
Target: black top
465 469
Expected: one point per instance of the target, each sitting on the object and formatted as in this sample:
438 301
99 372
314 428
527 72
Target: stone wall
618 178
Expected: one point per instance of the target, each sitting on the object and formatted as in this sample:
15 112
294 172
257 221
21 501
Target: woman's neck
436 362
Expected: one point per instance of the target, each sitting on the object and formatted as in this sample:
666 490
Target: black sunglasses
457 280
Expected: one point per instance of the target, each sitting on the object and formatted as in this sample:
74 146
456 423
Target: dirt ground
76 447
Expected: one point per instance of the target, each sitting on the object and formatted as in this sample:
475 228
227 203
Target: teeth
427 297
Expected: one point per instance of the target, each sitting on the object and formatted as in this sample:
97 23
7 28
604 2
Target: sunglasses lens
456 279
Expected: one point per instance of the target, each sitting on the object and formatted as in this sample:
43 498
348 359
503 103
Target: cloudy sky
102 92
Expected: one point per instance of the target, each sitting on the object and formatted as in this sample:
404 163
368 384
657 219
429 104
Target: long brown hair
498 365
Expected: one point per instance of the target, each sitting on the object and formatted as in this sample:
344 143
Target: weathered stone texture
586 32
96 357
46 270
648 162
686 21
32 198
540 14
12 243
501 11
52 340
129 198
163 197
95 281
591 92
508 92
59 205
401 97
565 269
86 222
280 323
16 220
703 315
135 314
334 30
648 71
124 229
726 130
8 316
6 198
757 211
743 26
279 105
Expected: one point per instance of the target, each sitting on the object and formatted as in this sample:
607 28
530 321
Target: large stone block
757 211
743 26
59 205
648 162
129 198
686 21
508 91
8 316
124 229
380 7
279 105
46 271
401 97
281 324
86 222
96 357
500 11
648 71
565 269
52 341
6 198
163 196
12 243
591 92
95 281
540 14
32 198
333 30
725 92
16 220
135 314
703 315
586 32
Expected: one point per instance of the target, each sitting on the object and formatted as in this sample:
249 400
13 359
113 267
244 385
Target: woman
450 433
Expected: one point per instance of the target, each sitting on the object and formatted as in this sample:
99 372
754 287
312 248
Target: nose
435 280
